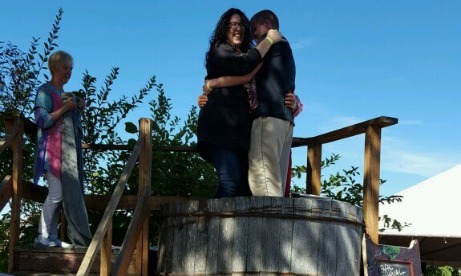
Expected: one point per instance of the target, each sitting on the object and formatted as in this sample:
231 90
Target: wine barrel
260 236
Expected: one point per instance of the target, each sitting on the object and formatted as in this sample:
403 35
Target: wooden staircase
98 258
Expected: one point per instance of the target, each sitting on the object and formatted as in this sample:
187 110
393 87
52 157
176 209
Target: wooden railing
138 229
14 130
137 234
136 237
371 173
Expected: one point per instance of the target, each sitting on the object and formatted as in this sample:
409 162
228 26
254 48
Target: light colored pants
49 219
269 156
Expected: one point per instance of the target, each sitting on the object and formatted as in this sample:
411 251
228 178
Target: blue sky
356 60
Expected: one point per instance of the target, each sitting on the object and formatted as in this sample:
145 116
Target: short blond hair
57 58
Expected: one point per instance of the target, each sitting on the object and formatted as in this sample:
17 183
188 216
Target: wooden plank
169 235
128 202
285 234
16 193
243 225
111 207
56 261
255 250
225 254
314 167
145 176
345 132
371 181
270 236
51 261
106 252
180 239
192 242
132 235
305 240
200 241
213 246
104 147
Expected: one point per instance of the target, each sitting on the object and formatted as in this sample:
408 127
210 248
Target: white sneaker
61 244
44 242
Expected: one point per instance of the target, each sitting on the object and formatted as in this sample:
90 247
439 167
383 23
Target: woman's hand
202 100
207 87
290 101
70 105
81 104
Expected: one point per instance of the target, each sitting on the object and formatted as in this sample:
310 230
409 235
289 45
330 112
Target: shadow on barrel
298 236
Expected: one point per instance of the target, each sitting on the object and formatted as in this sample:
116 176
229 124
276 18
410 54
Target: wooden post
371 181
314 167
17 149
106 252
145 172
95 244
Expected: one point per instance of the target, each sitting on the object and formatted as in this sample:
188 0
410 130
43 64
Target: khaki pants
269 156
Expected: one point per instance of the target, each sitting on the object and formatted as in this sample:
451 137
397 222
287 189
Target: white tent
433 209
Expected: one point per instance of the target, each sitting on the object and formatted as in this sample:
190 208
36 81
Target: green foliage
391 251
177 173
173 173
442 271
4 239
20 72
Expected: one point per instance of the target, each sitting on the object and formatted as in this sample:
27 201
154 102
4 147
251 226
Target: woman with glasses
224 123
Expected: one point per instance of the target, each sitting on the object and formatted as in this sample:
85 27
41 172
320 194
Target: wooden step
56 261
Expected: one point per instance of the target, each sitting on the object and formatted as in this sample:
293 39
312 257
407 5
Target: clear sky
356 60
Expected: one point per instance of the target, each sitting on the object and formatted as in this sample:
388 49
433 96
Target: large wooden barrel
260 236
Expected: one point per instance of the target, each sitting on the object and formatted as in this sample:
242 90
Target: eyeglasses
234 25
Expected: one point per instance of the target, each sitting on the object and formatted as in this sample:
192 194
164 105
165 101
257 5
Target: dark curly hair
219 34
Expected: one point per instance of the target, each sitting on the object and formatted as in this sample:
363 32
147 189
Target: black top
274 80
225 119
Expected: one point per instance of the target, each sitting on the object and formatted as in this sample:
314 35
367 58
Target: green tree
174 173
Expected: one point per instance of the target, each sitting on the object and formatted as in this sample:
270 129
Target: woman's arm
227 81
272 36
45 119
